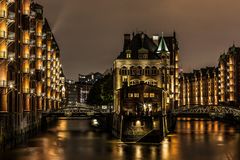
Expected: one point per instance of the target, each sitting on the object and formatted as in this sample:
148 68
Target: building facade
229 77
213 85
145 80
199 87
151 60
71 93
31 78
85 83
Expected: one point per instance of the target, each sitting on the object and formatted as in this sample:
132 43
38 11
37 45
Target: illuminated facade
150 60
199 87
229 77
213 86
31 78
145 81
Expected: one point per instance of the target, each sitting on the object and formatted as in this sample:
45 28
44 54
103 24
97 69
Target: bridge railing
212 110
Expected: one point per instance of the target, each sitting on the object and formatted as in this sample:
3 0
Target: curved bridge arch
74 111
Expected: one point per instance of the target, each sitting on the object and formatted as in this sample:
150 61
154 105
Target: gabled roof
139 44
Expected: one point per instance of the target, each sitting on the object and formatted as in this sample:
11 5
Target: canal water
194 139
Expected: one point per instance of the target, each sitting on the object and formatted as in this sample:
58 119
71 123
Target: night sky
90 32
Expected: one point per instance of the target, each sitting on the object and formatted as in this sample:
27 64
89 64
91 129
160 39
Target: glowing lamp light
11 59
11 84
138 123
95 122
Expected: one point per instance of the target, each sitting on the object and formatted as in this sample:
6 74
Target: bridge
75 111
212 112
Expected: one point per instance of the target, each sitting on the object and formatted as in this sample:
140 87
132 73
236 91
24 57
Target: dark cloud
90 32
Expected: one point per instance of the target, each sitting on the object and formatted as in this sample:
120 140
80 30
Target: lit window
128 55
136 95
152 95
146 95
130 95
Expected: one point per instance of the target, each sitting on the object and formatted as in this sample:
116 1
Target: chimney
127 39
155 39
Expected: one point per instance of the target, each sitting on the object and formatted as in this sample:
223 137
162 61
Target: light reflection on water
74 139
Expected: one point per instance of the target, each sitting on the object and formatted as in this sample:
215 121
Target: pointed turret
162 47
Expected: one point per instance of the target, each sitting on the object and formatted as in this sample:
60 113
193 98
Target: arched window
133 71
123 71
134 81
147 71
151 82
154 71
139 71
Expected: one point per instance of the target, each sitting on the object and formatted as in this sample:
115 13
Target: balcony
3 83
3 55
43 69
11 84
10 1
11 16
32 91
3 34
33 14
32 71
32 42
32 30
11 35
3 14
44 46
11 56
32 57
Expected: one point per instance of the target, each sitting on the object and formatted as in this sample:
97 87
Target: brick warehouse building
213 85
31 77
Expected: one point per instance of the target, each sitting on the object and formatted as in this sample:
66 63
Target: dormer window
128 54
143 56
143 53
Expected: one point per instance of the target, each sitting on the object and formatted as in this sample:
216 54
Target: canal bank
29 127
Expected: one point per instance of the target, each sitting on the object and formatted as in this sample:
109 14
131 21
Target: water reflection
74 139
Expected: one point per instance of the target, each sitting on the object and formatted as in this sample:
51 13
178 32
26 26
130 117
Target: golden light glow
48 82
39 28
48 93
39 53
49 55
49 44
3 71
25 51
25 66
26 84
39 64
26 37
26 7
39 41
39 89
